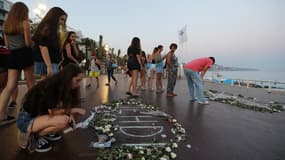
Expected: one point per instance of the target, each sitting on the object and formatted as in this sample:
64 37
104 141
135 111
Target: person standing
4 52
143 71
17 38
47 42
195 71
172 67
69 49
152 69
134 65
159 68
49 107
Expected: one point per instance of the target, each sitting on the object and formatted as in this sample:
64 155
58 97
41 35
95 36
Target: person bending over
49 107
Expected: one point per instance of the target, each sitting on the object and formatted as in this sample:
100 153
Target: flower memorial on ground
245 102
136 130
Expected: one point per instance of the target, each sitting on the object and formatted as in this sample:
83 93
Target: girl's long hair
57 88
136 43
67 39
49 27
14 22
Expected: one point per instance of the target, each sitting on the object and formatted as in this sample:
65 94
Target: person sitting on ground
194 72
49 107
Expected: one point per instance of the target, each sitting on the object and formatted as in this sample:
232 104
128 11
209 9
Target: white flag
182 35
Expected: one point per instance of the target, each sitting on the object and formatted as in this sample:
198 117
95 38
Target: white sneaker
204 103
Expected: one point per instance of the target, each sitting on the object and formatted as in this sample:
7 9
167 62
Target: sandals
7 120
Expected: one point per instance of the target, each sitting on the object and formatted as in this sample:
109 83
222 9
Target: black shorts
3 63
20 58
133 64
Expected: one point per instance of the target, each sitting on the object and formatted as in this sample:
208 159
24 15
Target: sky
238 33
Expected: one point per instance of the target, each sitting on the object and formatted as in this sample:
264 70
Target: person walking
47 42
94 70
110 65
17 38
195 71
172 68
49 107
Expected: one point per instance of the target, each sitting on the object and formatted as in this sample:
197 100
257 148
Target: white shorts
152 67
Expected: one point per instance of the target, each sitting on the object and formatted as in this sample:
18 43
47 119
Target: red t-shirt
199 64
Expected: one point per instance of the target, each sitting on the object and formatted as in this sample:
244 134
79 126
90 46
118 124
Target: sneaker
13 104
8 120
193 100
204 103
43 145
129 93
53 137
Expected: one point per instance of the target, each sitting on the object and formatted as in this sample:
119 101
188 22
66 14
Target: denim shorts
159 69
24 120
41 68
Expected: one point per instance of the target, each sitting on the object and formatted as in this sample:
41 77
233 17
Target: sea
274 76
251 75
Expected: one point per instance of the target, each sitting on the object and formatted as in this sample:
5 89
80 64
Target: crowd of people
49 105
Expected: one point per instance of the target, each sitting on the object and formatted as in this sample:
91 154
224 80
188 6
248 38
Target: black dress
133 63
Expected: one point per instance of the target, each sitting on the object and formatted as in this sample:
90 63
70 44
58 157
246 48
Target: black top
66 60
133 52
53 49
36 102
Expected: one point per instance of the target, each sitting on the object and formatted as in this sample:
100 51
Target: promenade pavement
215 132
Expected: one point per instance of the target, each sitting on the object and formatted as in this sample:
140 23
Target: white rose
174 145
172 155
174 120
141 152
182 130
168 149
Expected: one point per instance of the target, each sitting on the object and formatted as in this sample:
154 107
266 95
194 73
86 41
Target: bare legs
13 76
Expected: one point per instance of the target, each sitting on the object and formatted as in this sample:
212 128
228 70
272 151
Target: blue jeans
41 69
194 81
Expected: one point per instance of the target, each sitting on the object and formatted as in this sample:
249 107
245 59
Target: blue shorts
159 69
41 68
24 120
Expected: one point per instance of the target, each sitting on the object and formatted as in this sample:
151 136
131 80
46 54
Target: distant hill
218 67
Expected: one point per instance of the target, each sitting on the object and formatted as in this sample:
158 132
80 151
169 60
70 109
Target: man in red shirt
194 72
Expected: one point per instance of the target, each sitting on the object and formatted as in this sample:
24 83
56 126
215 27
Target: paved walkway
216 131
